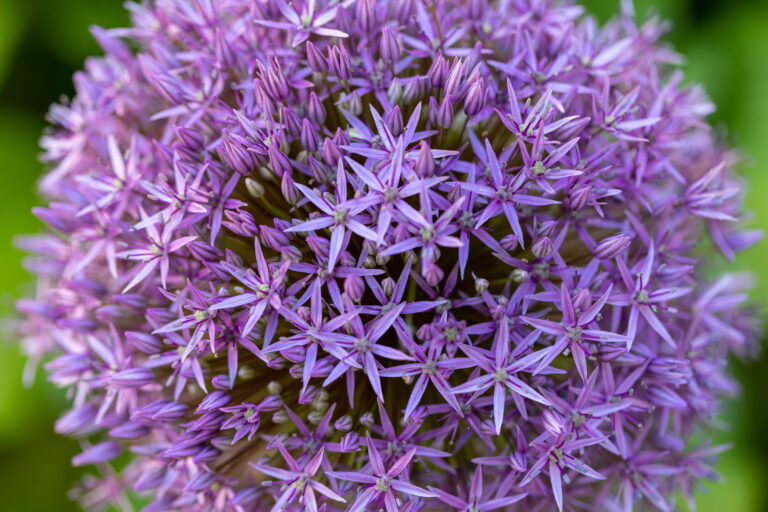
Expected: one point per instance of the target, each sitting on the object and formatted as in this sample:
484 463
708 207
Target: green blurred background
42 42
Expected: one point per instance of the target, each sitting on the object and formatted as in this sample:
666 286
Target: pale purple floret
363 255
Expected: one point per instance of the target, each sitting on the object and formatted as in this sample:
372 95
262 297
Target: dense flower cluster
387 255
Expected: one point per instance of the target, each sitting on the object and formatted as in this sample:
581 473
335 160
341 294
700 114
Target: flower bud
612 246
316 59
509 243
390 46
291 123
101 452
444 117
475 100
316 111
365 15
309 138
433 274
354 286
344 423
455 77
232 152
395 121
580 197
438 71
354 104
425 164
542 248
331 152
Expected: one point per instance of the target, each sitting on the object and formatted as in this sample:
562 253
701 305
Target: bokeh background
42 43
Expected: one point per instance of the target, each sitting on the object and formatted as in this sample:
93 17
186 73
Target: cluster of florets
375 255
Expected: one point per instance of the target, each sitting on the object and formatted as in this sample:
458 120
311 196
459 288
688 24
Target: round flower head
374 255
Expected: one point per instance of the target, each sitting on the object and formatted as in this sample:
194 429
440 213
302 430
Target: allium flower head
373 255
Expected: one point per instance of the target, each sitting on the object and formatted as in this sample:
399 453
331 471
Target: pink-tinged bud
316 109
542 248
395 121
475 101
354 286
316 59
438 71
310 141
278 161
580 197
390 46
331 152
425 163
612 246
101 452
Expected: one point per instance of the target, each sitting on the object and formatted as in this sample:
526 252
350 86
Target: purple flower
363 255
